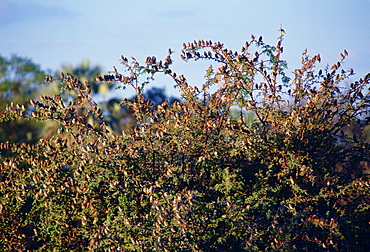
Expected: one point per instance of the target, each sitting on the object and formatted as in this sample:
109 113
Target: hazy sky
53 33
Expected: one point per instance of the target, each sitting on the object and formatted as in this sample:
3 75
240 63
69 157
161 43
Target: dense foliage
193 175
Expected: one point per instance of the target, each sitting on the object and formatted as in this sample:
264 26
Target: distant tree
19 79
84 71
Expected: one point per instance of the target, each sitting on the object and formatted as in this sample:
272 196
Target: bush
189 176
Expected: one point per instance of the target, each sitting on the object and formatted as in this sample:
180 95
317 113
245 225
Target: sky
53 33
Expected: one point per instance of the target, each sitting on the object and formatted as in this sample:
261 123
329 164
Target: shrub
189 176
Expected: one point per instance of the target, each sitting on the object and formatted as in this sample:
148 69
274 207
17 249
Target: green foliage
18 84
194 174
18 80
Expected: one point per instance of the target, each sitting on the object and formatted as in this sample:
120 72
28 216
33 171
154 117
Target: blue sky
53 33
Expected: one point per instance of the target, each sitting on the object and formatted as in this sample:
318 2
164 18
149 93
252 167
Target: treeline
252 160
22 80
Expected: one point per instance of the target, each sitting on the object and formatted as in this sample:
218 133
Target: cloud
11 13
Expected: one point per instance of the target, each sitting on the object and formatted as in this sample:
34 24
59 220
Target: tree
85 72
19 79
189 176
